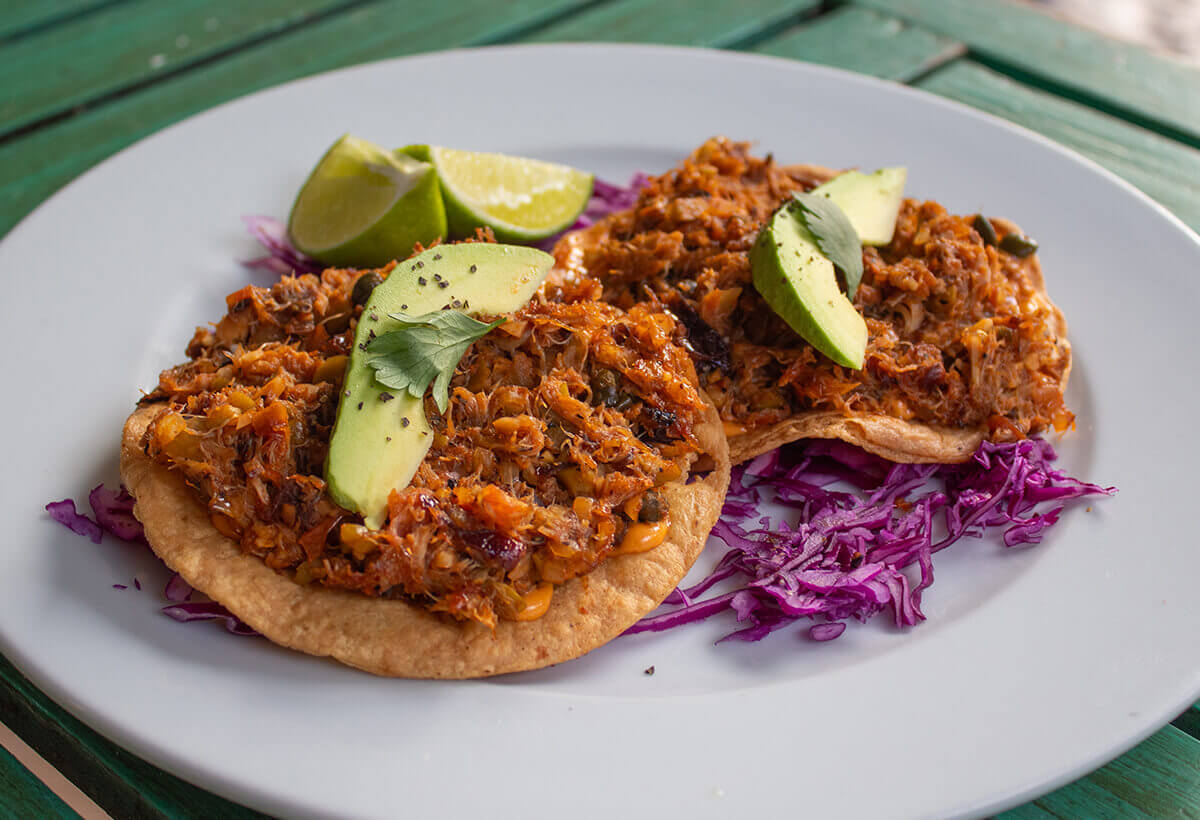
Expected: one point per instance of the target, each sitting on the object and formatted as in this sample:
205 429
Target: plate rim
163 755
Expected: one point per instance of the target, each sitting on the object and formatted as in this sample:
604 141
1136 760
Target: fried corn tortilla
901 440
552 509
894 438
392 637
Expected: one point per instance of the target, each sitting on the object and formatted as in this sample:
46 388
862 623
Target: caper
1018 245
653 508
364 286
984 226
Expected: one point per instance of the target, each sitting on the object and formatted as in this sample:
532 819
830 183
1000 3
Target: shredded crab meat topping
562 422
959 332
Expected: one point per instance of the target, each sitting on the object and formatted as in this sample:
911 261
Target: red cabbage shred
844 554
114 514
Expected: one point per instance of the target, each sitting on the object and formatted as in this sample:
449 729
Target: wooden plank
121 783
1189 722
19 16
864 41
68 65
1166 170
1140 85
25 796
34 166
1159 778
722 23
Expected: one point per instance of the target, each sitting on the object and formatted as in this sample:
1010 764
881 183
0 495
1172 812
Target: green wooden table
81 79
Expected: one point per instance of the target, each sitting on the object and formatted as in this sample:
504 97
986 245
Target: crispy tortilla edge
396 639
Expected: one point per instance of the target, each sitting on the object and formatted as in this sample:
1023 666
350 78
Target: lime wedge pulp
363 206
521 200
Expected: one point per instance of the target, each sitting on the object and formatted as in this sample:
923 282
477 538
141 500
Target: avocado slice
798 281
870 201
800 285
381 436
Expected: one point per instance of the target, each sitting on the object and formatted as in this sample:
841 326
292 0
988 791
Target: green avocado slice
799 284
870 201
381 436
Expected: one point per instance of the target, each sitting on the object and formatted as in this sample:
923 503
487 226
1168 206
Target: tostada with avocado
821 304
425 470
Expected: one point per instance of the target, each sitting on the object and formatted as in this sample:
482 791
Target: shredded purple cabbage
844 554
64 512
177 590
114 512
608 198
282 259
207 611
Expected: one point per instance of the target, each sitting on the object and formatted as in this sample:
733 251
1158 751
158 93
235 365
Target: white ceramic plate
1034 667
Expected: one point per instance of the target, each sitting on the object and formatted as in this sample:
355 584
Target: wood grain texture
722 23
1165 169
1158 779
864 41
59 68
1041 49
34 166
121 783
20 16
22 795
1189 722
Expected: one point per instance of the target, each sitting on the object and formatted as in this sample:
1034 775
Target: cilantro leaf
424 349
834 234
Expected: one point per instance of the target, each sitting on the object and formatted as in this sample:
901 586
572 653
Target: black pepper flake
436 257
446 306
443 284
370 334
472 269
404 307
360 405
437 277
362 345
466 304
386 396
387 438
374 317
421 280
420 264
404 421
347 394
649 670
456 304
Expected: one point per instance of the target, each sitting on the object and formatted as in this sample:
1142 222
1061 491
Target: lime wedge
363 206
521 200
